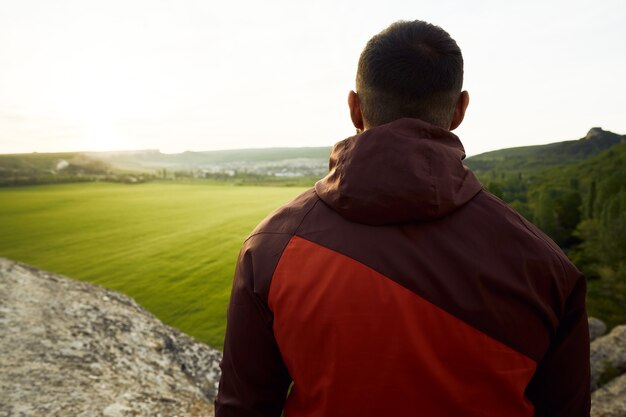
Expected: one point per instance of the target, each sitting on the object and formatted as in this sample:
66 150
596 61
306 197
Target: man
397 286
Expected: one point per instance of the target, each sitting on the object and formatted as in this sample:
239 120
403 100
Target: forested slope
580 202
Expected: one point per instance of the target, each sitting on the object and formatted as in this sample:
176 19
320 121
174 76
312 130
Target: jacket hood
400 172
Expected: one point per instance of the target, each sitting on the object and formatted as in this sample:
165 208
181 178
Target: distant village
287 168
143 166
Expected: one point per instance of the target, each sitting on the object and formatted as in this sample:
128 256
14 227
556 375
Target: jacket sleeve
561 384
254 380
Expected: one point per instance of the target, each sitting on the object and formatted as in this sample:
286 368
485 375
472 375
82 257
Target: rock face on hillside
68 348
608 369
597 328
599 134
608 355
610 399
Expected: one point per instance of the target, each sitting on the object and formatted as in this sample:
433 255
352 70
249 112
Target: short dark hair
411 69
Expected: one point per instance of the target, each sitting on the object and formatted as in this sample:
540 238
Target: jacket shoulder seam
262 232
317 200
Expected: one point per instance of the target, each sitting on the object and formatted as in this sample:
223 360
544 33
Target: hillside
530 158
575 191
35 168
155 158
288 166
264 165
281 162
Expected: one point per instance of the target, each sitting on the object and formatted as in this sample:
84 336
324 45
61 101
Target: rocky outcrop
610 399
608 374
608 356
69 348
597 328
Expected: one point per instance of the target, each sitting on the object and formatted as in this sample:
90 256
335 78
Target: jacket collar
400 172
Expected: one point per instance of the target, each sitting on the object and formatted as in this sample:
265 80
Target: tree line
582 207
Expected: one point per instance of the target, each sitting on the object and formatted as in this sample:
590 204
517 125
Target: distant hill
272 165
39 163
545 156
286 165
29 168
213 160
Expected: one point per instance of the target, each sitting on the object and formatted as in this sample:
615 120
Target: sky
178 75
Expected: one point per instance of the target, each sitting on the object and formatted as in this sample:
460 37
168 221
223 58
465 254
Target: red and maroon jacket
399 287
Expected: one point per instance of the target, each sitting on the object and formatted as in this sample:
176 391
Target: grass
172 247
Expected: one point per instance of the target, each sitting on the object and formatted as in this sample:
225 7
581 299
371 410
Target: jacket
397 286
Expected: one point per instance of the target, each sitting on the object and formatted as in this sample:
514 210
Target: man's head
411 69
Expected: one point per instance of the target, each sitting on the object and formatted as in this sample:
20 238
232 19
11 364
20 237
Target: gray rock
610 399
608 356
69 348
597 328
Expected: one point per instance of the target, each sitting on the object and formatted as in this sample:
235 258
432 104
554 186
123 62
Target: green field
172 247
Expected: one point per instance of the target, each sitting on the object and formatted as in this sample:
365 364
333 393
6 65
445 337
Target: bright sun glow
192 75
99 104
101 135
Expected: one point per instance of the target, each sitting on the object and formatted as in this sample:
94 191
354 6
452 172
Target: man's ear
459 110
355 110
